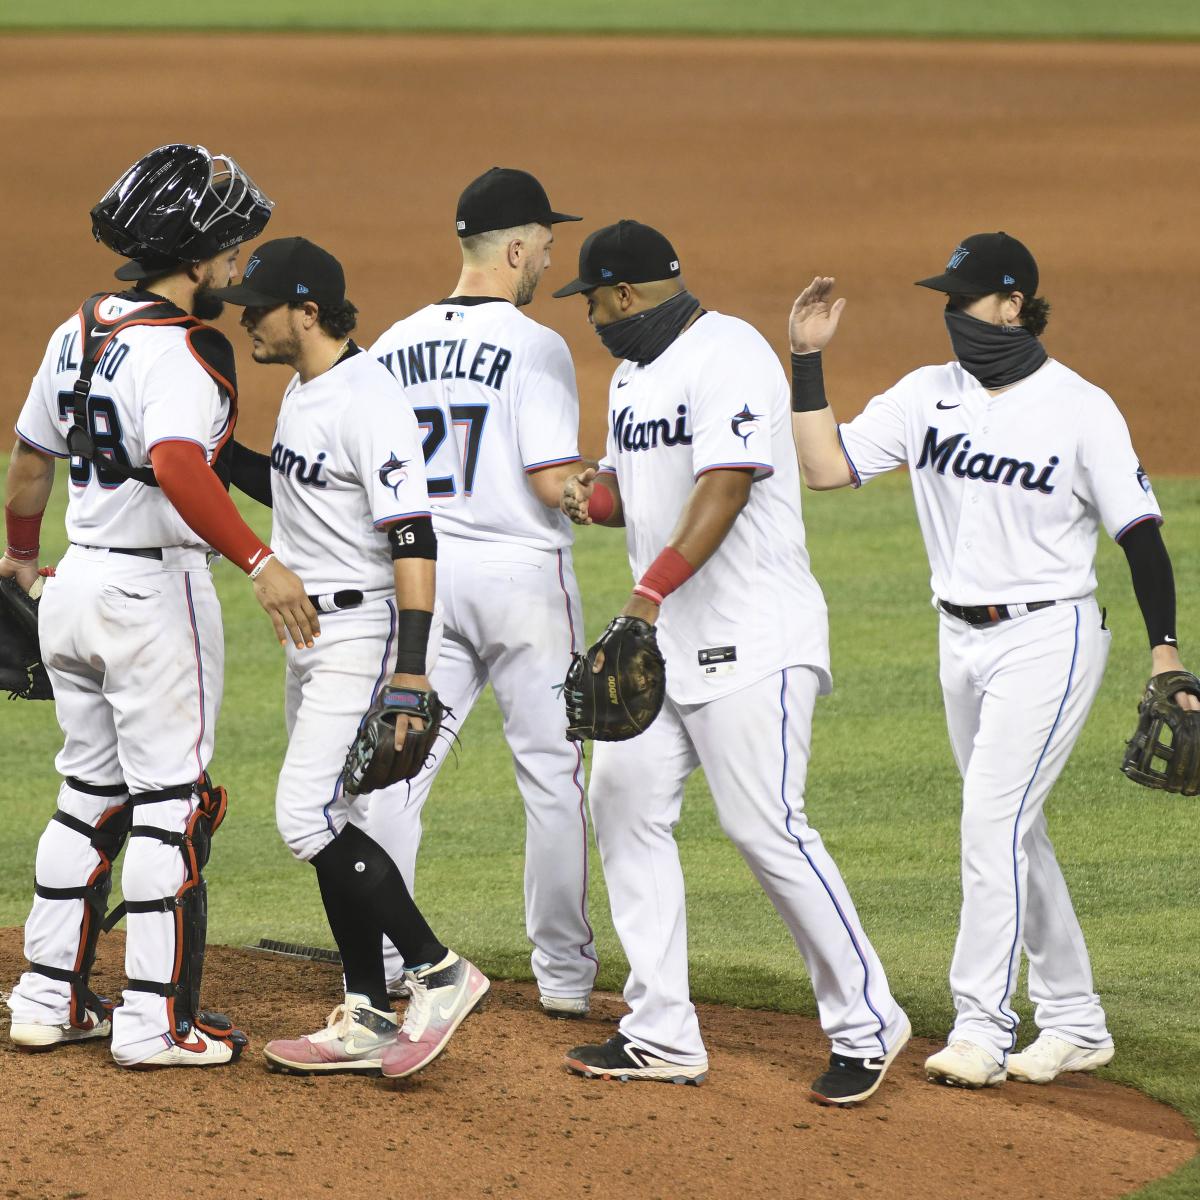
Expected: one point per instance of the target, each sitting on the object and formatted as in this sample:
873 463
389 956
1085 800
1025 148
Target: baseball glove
615 691
21 670
1164 751
373 761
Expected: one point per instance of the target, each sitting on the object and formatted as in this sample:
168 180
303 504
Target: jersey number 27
469 420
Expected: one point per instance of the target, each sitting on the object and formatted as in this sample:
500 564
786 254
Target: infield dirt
766 163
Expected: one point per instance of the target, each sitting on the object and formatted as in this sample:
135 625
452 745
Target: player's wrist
23 534
667 572
808 381
412 641
255 571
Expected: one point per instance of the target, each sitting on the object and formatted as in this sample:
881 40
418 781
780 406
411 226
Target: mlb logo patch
674 266
455 315
461 226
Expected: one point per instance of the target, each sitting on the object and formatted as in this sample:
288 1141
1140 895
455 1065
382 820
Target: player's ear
1010 309
515 252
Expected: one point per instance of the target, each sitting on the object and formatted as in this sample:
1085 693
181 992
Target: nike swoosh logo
255 557
946 406
99 333
353 1047
1170 641
622 382
446 1013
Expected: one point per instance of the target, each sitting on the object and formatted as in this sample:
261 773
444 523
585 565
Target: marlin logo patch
745 424
394 473
960 252
251 267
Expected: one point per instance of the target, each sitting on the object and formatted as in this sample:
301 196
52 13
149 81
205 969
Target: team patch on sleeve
394 474
744 424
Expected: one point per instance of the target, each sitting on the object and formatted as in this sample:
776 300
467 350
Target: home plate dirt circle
498 1113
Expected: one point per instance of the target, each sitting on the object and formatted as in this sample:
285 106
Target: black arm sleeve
1153 581
250 472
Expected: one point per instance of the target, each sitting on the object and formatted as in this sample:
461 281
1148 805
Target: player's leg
52 1002
636 792
165 689
530 641
393 816
361 887
754 747
1039 676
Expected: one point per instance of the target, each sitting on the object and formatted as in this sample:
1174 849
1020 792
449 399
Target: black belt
335 601
154 552
989 614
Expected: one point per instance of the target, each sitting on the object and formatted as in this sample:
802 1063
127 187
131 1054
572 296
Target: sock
358 935
386 896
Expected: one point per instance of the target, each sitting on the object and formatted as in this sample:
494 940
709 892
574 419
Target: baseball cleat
851 1080
440 997
32 1036
964 1064
1051 1056
619 1058
352 1043
199 1050
565 1008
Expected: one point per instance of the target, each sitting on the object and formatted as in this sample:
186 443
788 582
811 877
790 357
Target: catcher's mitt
21 670
373 761
1164 751
622 697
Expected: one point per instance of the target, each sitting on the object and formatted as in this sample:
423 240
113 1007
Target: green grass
906 18
883 790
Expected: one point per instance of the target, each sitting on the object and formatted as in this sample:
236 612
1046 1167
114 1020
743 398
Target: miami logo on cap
251 267
956 258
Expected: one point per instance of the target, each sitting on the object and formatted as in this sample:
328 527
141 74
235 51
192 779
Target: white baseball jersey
495 396
717 397
1010 489
346 462
148 387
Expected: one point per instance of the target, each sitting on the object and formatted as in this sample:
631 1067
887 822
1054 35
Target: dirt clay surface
766 163
498 1114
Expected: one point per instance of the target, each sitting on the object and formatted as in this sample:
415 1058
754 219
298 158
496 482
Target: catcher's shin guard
189 905
107 837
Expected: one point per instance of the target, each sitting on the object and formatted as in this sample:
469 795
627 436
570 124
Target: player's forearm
1154 587
716 500
415 580
607 509
27 492
196 494
250 472
818 447
547 482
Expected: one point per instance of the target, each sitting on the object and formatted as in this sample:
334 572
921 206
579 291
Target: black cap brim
245 296
133 270
555 218
952 285
575 287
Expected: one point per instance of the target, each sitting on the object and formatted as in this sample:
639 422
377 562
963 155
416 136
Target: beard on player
527 283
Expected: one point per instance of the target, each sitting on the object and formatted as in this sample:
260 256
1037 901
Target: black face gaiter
996 355
644 336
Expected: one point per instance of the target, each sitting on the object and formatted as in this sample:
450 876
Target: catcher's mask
178 204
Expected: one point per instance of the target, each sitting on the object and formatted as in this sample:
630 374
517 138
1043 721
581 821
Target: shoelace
420 1007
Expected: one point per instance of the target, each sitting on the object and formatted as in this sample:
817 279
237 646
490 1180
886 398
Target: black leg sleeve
383 893
358 935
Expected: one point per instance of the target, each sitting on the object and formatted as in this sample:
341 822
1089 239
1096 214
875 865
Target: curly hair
1035 313
337 320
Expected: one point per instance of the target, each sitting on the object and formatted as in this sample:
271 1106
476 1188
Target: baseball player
495 397
1016 462
140 395
351 511
700 470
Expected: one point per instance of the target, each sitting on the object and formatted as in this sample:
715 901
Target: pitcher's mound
498 1114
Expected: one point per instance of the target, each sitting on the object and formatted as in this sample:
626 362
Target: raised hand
814 319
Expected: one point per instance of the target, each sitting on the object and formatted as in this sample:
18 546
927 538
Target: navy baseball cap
504 198
627 252
285 270
985 263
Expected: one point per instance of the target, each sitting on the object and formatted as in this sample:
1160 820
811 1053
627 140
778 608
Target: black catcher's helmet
178 204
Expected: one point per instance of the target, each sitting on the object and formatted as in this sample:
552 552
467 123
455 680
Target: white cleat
199 1050
29 1035
1050 1056
964 1064
567 1008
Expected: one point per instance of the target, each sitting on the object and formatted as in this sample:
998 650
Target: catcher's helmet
178 204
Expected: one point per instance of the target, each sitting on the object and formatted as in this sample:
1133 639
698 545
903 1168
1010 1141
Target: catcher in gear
1168 733
615 691
21 670
346 484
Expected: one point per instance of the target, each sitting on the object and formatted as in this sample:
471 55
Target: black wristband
412 640
808 383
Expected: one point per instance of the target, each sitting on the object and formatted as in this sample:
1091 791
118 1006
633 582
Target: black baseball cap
284 270
985 263
503 198
627 252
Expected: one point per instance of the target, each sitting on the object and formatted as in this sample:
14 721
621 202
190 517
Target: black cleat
619 1058
852 1080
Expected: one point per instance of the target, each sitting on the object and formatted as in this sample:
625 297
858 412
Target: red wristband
667 572
600 503
24 535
